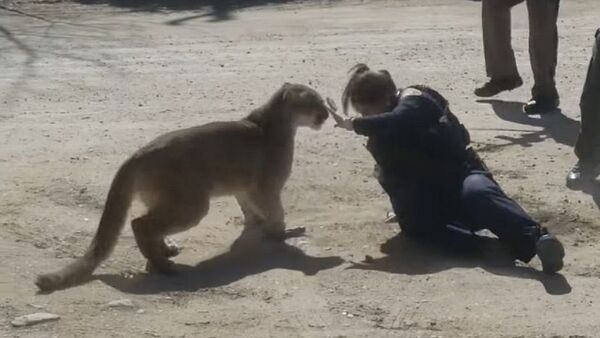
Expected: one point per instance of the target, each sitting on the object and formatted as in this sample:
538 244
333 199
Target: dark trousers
477 203
588 142
543 42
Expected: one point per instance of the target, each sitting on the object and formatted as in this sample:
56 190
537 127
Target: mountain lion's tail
111 224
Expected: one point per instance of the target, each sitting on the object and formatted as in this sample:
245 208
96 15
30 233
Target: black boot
550 251
541 105
582 173
494 87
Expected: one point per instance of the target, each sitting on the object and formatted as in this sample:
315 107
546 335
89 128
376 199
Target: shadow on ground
216 10
556 126
249 255
412 257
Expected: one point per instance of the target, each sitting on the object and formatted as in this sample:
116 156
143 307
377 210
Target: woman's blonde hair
367 86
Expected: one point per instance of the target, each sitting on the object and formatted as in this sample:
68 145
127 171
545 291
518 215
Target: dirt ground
82 86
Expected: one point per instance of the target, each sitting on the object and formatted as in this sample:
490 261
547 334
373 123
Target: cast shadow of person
405 255
557 126
250 254
215 10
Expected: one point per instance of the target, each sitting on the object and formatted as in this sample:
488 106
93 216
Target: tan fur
176 175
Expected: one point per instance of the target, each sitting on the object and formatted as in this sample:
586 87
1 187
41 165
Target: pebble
34 318
121 303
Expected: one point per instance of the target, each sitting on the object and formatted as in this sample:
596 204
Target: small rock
317 326
41 245
368 259
34 318
37 306
141 311
121 303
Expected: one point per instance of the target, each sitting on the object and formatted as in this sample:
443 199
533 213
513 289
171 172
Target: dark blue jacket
419 141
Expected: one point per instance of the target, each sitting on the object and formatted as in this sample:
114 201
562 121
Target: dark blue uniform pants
477 203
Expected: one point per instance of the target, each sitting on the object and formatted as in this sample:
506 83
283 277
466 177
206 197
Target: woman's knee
477 187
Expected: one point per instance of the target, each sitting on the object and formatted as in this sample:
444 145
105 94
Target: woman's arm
412 113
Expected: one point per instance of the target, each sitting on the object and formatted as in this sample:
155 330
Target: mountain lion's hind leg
170 216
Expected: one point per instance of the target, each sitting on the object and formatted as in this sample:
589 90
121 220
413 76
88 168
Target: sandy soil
82 86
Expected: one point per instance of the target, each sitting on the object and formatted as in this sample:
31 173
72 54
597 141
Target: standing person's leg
587 148
485 206
543 49
500 63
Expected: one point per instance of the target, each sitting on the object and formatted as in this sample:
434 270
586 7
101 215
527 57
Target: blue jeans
475 203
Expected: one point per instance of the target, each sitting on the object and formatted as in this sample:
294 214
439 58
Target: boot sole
551 252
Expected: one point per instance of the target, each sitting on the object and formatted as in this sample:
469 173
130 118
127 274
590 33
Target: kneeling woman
432 176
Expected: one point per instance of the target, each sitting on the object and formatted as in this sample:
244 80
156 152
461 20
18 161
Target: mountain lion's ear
293 93
285 91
